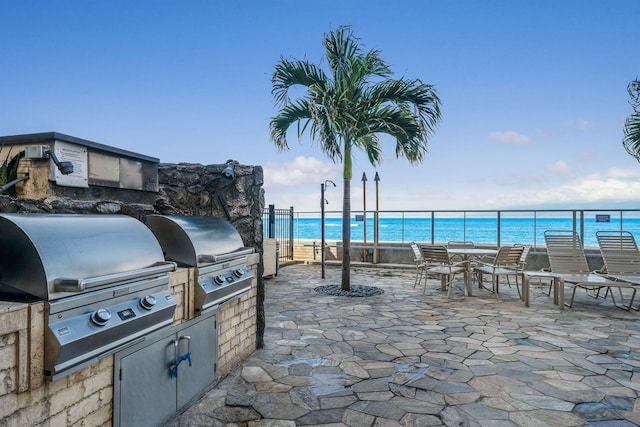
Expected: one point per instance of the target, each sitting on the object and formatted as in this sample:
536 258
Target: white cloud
624 173
583 124
509 137
615 186
302 170
559 168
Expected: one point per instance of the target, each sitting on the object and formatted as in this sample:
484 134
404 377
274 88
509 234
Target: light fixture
42 152
230 170
65 168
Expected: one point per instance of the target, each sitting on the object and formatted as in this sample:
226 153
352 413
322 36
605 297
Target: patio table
468 254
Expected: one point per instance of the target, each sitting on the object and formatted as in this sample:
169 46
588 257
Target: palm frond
290 73
370 144
631 139
422 97
293 113
341 48
399 122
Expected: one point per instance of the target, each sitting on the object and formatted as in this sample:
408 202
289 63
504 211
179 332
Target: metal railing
490 227
278 224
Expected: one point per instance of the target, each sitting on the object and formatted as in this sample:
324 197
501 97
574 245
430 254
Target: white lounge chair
568 261
620 255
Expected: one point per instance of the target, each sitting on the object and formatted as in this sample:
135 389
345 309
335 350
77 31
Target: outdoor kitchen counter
22 343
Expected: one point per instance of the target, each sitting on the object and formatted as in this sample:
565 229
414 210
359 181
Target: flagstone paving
405 358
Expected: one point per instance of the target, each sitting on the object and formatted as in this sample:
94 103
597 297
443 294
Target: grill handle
224 257
64 284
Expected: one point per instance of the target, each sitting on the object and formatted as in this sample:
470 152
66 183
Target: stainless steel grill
211 245
103 278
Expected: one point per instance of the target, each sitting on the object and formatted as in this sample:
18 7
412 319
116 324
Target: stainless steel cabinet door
148 392
202 343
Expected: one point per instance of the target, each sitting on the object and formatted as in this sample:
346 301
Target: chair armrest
483 264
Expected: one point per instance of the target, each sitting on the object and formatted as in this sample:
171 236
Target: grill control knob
101 317
219 279
239 272
148 302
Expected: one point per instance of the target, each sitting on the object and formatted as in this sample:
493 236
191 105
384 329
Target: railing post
433 227
582 227
499 226
271 232
291 233
376 251
535 228
464 226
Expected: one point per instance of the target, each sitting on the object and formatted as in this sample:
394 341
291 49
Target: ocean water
477 230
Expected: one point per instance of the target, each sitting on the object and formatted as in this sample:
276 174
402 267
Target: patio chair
439 262
520 266
620 255
419 261
458 245
567 260
505 263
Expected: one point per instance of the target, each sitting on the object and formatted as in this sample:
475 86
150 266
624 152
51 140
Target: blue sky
533 92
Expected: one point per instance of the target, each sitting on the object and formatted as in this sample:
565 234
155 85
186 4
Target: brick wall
237 327
80 399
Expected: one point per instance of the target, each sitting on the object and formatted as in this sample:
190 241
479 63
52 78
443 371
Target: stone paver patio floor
407 359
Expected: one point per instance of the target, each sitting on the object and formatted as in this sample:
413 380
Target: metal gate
278 224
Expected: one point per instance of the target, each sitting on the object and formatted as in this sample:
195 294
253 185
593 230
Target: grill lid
196 240
49 256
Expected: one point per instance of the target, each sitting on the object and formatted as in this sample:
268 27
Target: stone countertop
6 306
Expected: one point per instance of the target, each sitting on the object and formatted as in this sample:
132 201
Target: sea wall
400 254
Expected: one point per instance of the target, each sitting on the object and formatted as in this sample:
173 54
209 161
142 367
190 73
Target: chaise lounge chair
621 256
568 262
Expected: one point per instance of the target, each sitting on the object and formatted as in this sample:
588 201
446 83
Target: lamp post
376 219
364 216
323 201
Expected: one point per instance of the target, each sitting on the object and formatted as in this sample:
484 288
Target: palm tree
349 108
631 140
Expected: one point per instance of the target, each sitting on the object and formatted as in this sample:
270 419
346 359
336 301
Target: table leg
558 283
525 289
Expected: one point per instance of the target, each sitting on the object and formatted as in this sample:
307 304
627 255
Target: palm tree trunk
346 236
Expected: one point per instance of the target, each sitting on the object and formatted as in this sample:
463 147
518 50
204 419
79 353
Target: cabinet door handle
173 366
187 355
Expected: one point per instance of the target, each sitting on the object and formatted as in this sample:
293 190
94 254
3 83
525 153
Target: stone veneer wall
195 189
86 397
